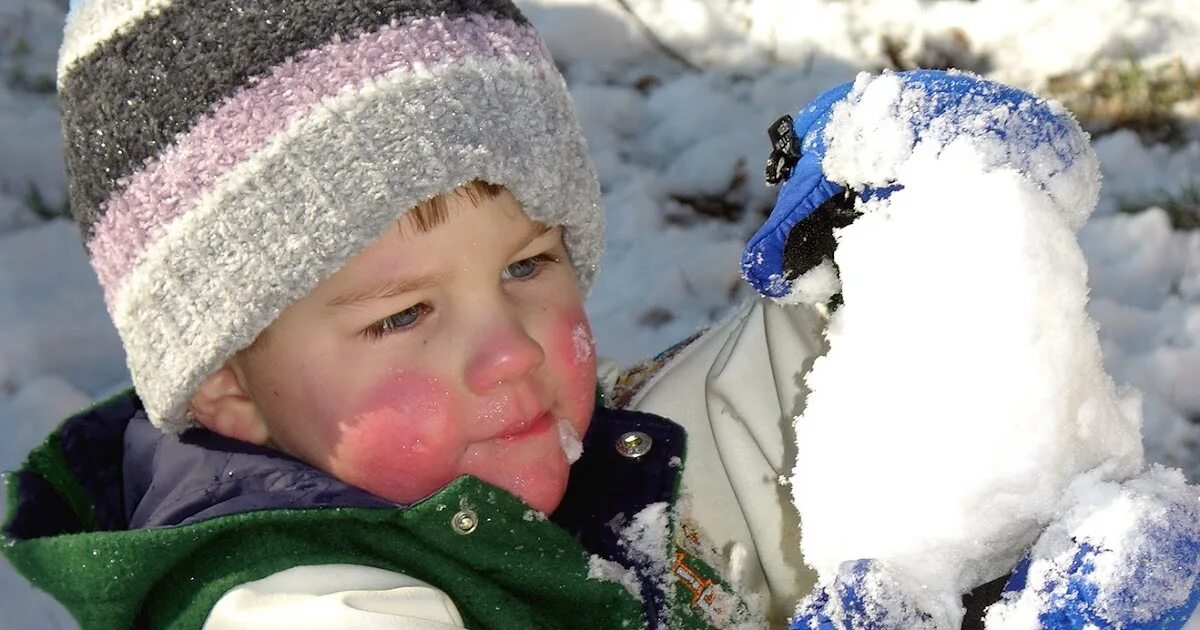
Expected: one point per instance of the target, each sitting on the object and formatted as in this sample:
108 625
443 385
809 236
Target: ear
223 405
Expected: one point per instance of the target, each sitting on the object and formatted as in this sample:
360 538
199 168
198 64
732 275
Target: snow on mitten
798 146
1123 555
964 320
803 158
869 595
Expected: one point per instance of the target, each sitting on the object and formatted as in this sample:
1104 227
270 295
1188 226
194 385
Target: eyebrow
387 289
399 286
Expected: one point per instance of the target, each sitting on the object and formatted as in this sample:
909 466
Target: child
345 245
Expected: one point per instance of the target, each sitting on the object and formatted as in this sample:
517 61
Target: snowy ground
675 97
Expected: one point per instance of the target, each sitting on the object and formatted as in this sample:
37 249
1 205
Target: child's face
431 355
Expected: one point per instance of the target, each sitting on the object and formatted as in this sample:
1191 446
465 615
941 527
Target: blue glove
799 147
1138 571
865 595
952 104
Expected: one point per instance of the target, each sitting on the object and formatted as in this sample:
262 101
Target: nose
503 353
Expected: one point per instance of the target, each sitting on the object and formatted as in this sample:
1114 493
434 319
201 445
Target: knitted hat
225 156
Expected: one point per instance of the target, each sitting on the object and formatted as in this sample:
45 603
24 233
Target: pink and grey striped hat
225 156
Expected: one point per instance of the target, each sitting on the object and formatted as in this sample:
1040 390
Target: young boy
345 245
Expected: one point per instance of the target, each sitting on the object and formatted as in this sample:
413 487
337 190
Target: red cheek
574 351
405 393
402 441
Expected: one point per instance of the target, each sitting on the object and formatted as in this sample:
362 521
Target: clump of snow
884 120
1132 549
1139 257
609 571
647 536
532 515
568 438
815 286
882 597
870 135
964 388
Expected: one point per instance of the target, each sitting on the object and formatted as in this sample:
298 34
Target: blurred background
675 97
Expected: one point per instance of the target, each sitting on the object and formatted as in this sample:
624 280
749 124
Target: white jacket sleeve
736 390
335 596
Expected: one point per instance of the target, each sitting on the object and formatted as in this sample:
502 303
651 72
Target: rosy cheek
574 351
401 442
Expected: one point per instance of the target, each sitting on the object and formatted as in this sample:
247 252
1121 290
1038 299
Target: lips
537 425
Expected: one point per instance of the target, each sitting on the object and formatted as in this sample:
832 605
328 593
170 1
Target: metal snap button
464 521
633 444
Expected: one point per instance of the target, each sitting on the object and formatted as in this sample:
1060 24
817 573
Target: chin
547 489
545 503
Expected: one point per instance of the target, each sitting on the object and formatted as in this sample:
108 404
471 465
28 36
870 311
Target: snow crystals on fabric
609 571
647 536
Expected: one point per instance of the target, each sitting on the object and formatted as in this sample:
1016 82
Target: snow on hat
225 156
857 136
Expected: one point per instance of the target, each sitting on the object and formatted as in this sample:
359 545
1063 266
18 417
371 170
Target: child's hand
1126 556
798 236
868 595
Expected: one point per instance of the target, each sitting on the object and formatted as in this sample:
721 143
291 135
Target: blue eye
400 321
528 267
521 268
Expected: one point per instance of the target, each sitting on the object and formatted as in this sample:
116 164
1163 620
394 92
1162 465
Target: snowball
963 389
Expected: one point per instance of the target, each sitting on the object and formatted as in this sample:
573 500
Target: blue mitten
795 163
867 595
810 205
1126 556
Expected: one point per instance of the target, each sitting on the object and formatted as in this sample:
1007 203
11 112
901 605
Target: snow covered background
675 97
